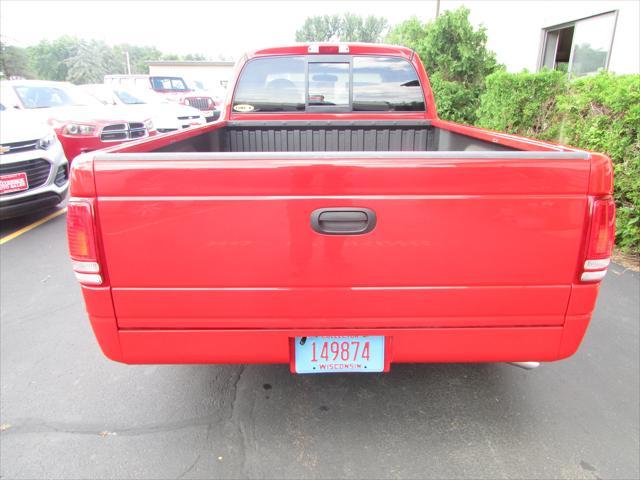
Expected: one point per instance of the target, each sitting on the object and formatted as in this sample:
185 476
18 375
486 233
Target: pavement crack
190 467
234 389
236 419
242 413
32 425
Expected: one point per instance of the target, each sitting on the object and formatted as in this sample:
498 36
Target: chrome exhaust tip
525 365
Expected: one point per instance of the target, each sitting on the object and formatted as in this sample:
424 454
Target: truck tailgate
214 240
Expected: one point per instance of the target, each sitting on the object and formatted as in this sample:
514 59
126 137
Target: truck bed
331 136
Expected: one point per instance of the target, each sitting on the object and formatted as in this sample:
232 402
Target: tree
194 57
83 61
457 50
47 59
138 57
170 56
455 55
410 33
321 28
90 62
356 29
14 62
345 28
373 29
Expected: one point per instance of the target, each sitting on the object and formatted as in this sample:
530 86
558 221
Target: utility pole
437 8
126 54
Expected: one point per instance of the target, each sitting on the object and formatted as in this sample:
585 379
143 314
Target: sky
208 27
230 28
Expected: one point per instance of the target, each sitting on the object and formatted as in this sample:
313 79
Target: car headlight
210 101
45 142
78 129
148 124
187 102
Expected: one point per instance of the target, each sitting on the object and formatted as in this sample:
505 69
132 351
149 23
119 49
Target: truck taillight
600 241
82 242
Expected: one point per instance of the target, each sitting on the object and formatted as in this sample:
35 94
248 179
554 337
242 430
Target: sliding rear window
386 84
274 84
338 83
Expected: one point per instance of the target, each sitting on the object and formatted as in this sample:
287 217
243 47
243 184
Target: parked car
330 220
81 122
166 116
217 93
174 88
34 174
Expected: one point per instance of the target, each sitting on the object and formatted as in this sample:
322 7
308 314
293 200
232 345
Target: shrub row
599 113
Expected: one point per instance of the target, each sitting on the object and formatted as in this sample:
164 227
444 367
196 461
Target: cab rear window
271 85
329 83
338 83
386 84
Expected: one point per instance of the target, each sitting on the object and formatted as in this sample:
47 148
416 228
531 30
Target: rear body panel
227 242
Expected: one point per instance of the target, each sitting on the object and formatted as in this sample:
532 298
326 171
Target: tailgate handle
343 221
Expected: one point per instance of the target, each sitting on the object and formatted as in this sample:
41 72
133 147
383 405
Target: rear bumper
33 203
427 345
41 196
405 345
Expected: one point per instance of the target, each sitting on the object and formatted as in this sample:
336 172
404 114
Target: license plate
208 113
14 182
339 354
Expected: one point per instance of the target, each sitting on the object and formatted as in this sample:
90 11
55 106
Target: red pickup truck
330 220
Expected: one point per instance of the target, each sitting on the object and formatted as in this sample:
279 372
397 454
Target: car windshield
48 96
128 98
169 83
198 84
137 97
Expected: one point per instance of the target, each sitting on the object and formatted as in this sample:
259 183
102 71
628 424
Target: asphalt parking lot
68 412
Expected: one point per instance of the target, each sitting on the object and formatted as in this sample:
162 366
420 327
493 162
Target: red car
333 222
81 122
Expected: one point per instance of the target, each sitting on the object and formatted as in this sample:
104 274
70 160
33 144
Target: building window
580 47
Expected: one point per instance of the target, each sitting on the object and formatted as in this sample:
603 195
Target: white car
167 116
174 89
34 172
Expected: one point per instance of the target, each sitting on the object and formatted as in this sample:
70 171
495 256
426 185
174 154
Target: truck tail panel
226 240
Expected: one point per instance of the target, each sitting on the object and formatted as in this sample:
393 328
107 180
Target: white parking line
35 224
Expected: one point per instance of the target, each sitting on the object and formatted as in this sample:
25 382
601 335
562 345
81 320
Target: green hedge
599 113
522 103
456 101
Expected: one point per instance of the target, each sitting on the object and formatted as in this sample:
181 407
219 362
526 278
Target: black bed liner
331 136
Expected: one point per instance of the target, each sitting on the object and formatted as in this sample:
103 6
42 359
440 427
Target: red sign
14 182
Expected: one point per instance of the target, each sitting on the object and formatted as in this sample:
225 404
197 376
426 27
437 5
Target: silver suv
34 172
